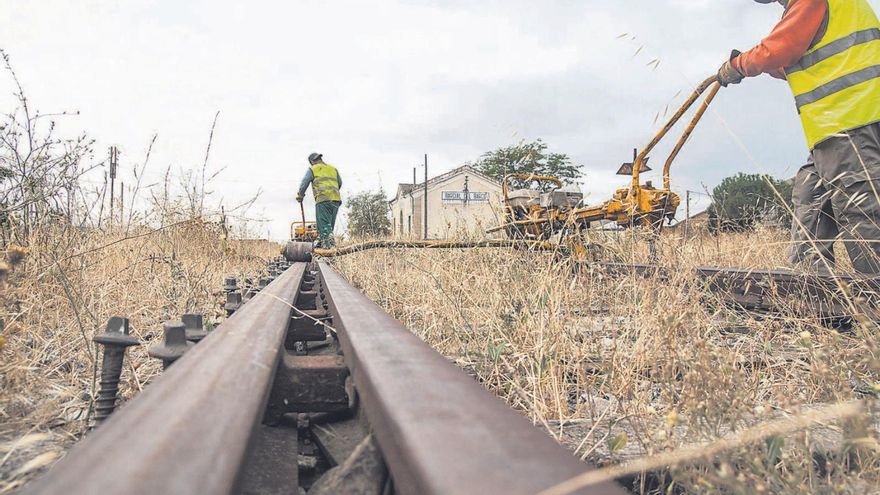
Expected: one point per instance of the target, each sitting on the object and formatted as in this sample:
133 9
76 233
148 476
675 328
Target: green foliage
495 352
527 158
368 214
774 445
741 201
616 443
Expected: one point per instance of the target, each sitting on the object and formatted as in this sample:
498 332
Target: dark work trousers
325 213
837 195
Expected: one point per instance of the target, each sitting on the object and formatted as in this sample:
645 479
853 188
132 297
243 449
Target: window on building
408 224
401 222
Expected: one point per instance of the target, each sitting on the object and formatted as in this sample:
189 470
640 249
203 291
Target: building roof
404 189
696 218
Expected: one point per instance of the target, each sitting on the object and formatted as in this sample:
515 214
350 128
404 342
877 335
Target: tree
742 201
368 214
527 158
39 170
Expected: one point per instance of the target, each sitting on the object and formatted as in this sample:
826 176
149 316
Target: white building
461 203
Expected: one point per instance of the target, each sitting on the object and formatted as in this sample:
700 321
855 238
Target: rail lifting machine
546 208
532 216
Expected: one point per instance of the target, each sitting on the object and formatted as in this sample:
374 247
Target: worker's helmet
315 158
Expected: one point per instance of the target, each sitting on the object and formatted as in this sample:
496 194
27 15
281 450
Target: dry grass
616 368
621 367
56 299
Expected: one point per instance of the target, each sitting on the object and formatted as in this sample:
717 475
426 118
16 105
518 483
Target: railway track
835 300
309 387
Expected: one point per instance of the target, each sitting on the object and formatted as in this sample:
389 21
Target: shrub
742 201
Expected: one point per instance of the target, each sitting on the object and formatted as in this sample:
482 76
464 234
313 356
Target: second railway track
835 300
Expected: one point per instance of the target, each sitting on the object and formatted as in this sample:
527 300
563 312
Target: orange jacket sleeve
788 41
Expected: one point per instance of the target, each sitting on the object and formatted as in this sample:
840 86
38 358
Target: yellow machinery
303 232
542 207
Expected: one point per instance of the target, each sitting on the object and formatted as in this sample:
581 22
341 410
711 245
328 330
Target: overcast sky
375 85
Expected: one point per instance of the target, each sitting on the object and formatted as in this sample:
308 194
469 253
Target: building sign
460 196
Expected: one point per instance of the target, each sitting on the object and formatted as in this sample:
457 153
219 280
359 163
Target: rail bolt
230 285
233 302
114 339
195 327
174 344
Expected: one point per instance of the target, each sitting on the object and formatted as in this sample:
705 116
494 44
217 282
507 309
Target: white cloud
374 85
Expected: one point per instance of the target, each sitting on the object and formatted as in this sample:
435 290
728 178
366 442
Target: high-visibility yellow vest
836 84
325 183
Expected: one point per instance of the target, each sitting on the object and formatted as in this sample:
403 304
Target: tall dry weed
618 367
63 292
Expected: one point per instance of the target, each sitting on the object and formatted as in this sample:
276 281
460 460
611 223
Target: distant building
698 223
461 202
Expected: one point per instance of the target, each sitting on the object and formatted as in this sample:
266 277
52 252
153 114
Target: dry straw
625 368
62 293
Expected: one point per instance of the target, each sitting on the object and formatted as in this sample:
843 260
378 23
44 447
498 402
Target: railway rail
309 386
836 300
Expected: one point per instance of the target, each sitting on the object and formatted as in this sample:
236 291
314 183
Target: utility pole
412 204
121 203
223 226
687 211
103 201
687 204
466 193
69 210
113 162
426 196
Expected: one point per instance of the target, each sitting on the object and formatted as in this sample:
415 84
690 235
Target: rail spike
174 344
115 340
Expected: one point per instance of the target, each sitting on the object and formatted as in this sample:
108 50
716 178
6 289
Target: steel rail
439 431
189 431
778 276
830 295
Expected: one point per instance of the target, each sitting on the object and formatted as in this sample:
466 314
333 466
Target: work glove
299 198
728 74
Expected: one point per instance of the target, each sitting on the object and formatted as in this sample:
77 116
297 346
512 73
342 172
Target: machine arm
637 165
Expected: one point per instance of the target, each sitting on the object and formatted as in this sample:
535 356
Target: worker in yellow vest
829 51
326 183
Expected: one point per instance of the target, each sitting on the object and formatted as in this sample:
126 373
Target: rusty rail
189 430
439 430
835 299
247 411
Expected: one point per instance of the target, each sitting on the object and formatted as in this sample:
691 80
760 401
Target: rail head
439 431
188 432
